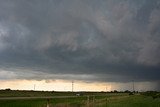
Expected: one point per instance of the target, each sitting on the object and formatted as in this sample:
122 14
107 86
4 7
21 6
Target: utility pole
34 87
72 85
133 85
106 88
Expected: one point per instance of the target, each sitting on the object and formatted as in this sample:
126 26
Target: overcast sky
87 40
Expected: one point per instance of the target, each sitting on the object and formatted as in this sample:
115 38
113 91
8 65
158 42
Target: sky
105 43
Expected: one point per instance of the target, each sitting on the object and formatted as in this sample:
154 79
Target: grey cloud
110 40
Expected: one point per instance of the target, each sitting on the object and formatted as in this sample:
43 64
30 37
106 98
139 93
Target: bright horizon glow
53 85
63 85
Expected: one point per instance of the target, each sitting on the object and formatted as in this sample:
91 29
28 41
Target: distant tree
131 93
127 91
115 91
153 94
8 89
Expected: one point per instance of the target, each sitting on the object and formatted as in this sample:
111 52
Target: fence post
106 101
47 102
88 101
93 100
67 102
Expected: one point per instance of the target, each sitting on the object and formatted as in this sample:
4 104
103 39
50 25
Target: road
47 97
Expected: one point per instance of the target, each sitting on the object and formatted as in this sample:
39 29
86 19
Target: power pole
34 87
133 85
72 85
106 88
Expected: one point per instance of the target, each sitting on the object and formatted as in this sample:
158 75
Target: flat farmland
70 99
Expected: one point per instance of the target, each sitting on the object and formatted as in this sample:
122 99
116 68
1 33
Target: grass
42 102
24 93
133 101
23 103
118 101
95 100
18 93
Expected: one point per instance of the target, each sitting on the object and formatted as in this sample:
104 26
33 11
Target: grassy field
88 99
23 93
132 101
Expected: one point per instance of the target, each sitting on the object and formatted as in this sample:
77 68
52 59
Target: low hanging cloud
90 40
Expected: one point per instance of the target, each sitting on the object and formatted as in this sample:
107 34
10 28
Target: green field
88 99
23 93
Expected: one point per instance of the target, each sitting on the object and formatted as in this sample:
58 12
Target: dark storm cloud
107 40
